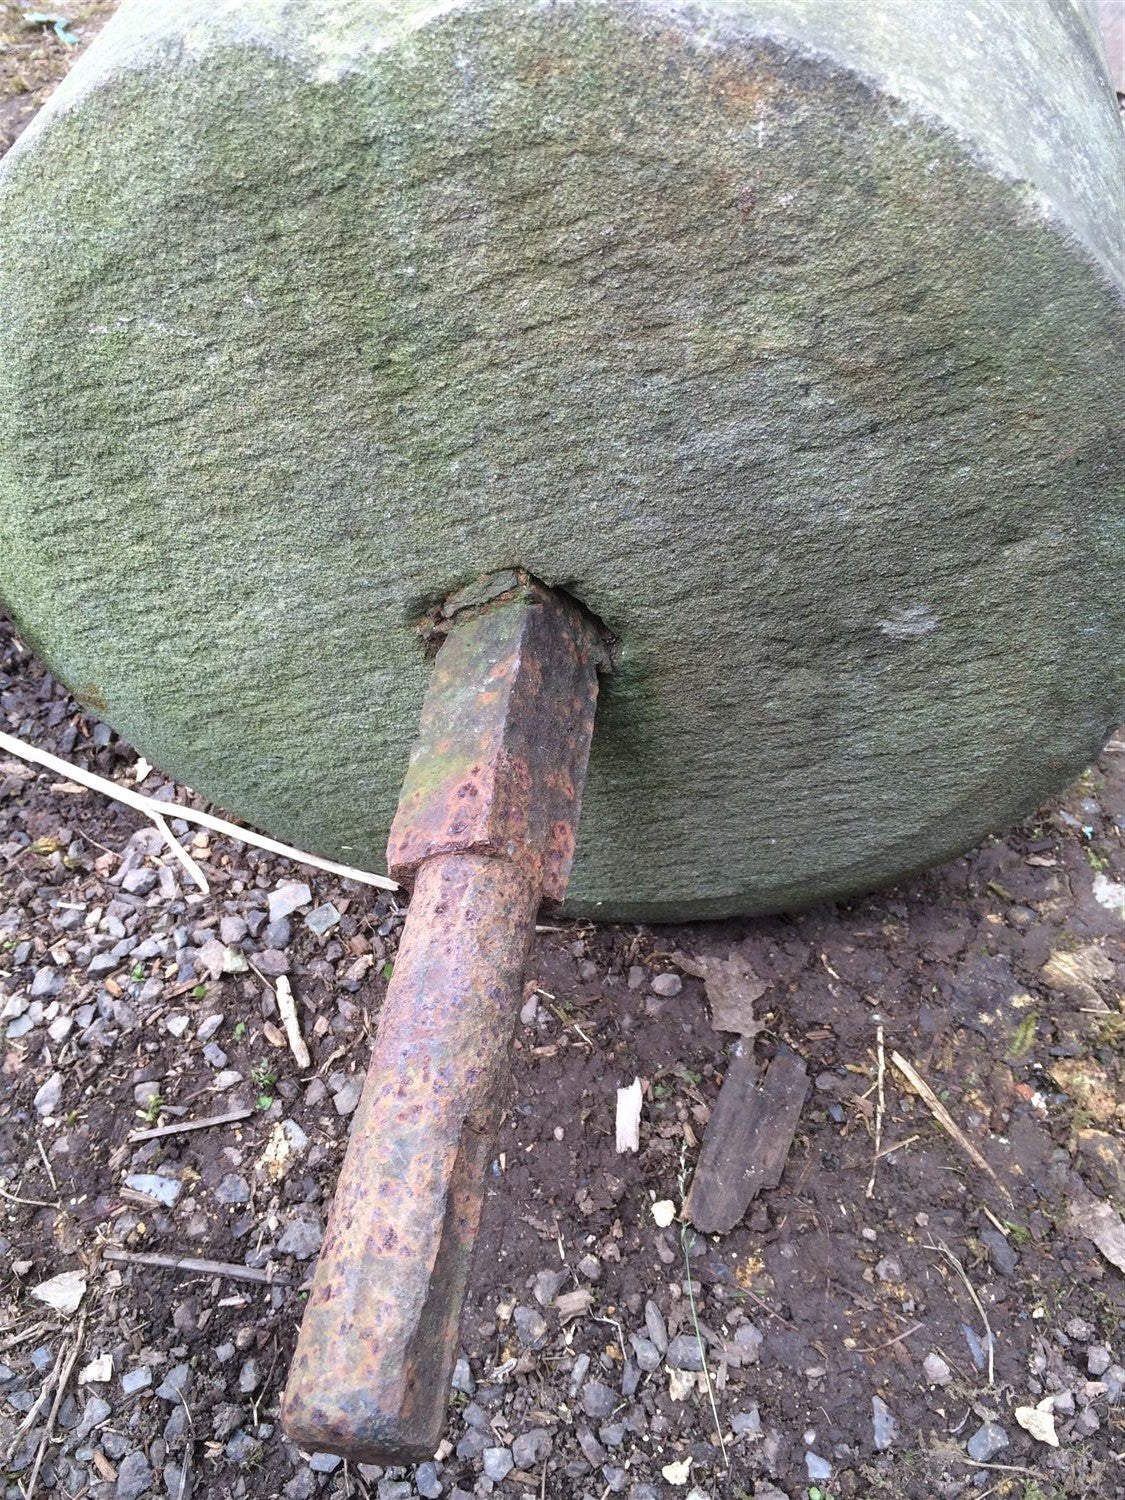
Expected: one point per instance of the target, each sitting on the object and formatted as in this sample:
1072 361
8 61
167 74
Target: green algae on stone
799 372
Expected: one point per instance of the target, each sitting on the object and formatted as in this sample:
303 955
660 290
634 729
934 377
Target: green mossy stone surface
783 338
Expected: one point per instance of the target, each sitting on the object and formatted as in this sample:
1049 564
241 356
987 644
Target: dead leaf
1039 1421
573 1304
1101 1226
63 1292
1076 973
732 988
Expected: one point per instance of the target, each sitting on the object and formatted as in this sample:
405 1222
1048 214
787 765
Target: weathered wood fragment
747 1138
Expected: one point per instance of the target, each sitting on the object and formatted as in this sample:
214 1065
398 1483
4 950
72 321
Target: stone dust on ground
835 1344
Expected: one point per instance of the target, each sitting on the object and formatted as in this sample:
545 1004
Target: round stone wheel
785 335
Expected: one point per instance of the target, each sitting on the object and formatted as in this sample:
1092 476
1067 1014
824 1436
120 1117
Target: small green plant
199 992
239 1030
137 973
1097 861
153 1108
263 1102
388 969
262 1075
1023 1038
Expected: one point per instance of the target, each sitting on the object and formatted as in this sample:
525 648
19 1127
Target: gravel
134 1477
988 1440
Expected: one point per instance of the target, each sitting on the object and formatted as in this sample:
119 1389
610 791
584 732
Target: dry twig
944 1249
192 1263
287 1008
944 1118
880 1106
27 1202
60 1391
158 811
181 1126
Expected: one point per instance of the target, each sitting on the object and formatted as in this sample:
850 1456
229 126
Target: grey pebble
817 1467
208 1027
531 1327
472 1445
532 1448
656 1327
547 1285
240 1447
174 1383
648 1355
284 900
324 1463
224 1352
463 1376
322 919
277 934
1098 1359
426 1480
746 1423
95 1412
47 981
272 963
249 1377
301 1238
498 1463
114 1444
139 882
1000 1251
136 1380
134 1477
667 984
214 1055
232 929
48 1095
684 1352
593 1452
233 1189
884 1424
347 1099
988 1440
935 1369
164 1189
598 1400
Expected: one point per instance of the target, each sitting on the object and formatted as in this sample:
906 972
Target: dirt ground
840 1342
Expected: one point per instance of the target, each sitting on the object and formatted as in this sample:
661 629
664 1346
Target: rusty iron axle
484 833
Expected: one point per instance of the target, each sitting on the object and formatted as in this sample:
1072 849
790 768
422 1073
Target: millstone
784 335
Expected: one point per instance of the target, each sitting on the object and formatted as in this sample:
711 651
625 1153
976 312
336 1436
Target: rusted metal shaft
484 831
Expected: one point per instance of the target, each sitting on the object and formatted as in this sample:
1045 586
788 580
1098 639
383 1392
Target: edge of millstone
927 59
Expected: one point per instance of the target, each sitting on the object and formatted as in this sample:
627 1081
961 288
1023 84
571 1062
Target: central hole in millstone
489 589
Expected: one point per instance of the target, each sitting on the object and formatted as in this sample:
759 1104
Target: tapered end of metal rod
485 830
